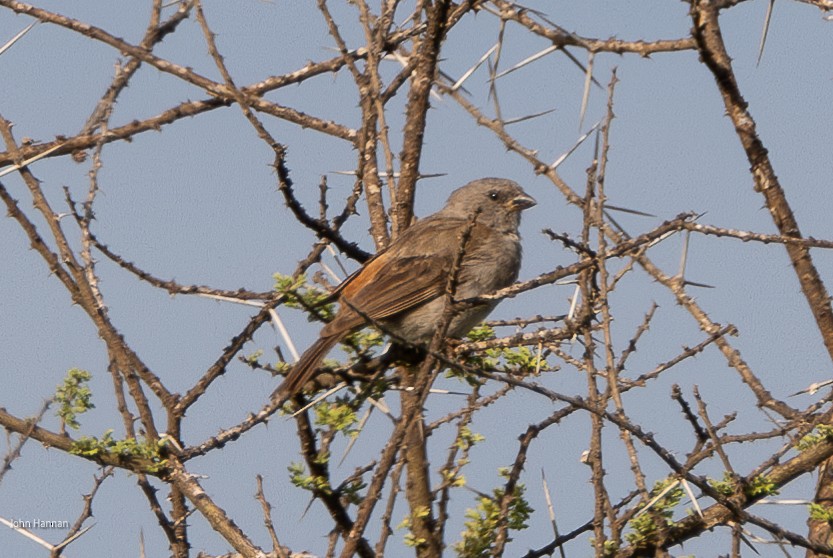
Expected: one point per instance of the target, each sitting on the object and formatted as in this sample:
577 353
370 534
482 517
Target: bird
402 287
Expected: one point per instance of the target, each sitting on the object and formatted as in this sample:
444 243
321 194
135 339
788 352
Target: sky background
197 202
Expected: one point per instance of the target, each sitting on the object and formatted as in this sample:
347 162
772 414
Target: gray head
498 200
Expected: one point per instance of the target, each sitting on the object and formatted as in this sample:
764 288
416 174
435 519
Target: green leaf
481 528
74 397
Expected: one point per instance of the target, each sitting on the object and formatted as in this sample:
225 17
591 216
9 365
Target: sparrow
402 287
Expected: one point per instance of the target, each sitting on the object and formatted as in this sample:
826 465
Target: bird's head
498 201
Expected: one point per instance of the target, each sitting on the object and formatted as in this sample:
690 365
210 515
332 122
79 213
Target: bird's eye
493 196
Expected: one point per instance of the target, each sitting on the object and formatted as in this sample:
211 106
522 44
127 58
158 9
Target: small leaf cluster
349 491
253 359
466 438
316 484
352 491
819 434
644 528
758 486
94 448
74 397
487 360
481 333
481 528
338 416
821 513
524 359
517 359
410 539
609 547
453 477
282 367
299 294
725 487
362 341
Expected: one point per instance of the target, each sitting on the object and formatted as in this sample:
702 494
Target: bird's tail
305 368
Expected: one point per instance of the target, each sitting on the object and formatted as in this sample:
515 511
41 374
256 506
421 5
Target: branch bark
416 113
709 39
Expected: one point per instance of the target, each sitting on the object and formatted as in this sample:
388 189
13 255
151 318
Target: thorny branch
519 362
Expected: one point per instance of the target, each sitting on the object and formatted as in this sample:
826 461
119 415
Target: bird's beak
521 202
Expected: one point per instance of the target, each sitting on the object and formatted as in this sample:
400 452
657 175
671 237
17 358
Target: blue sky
197 202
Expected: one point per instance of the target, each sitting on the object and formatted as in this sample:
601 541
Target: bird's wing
411 271
387 286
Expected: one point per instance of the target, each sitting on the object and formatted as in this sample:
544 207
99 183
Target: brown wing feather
304 369
391 287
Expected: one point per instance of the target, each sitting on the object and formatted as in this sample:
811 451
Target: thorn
813 388
527 60
13 168
321 397
529 117
695 284
658 497
585 97
471 70
692 497
767 20
631 211
580 140
17 37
